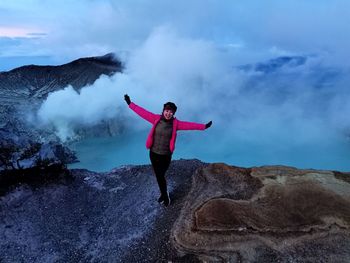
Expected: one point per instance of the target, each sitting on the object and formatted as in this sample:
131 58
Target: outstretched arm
185 125
143 113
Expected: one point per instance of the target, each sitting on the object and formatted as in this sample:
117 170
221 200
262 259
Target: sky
55 32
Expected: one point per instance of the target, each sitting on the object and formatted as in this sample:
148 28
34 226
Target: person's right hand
208 124
127 99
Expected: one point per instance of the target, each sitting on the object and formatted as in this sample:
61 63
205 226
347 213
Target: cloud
295 101
85 109
88 28
165 67
177 67
18 32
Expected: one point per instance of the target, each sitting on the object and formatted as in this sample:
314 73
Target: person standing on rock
161 140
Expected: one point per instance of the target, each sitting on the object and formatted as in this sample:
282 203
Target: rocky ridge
37 82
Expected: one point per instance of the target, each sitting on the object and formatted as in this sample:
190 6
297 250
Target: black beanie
171 106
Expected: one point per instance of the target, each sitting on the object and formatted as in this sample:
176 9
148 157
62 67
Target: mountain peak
108 59
273 65
38 81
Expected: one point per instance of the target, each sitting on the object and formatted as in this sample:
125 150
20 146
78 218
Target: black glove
208 124
127 99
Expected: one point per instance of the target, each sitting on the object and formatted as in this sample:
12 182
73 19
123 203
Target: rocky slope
33 81
219 213
27 86
23 90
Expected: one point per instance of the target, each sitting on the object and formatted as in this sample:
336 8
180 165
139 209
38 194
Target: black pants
160 165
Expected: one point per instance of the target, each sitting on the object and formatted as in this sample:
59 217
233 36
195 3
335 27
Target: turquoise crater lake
104 154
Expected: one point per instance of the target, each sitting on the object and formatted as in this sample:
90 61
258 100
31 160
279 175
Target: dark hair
170 105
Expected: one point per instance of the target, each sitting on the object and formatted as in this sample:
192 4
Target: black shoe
161 199
166 201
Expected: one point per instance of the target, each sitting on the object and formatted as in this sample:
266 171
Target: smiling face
168 114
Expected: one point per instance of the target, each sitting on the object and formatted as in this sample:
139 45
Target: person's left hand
208 124
127 99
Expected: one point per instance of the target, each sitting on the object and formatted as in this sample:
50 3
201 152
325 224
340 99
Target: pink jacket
155 118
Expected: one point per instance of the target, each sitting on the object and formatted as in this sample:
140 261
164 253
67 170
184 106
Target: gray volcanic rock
22 91
84 216
231 214
23 148
275 64
266 214
37 81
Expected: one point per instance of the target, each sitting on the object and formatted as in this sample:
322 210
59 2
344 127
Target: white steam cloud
165 68
67 109
295 103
